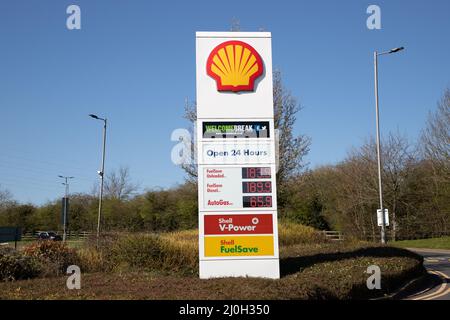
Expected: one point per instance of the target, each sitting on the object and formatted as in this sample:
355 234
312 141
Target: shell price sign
238 229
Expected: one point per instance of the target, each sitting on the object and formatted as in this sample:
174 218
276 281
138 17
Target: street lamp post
380 188
101 173
66 184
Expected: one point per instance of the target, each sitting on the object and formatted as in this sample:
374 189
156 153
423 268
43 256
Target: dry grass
91 260
180 251
290 233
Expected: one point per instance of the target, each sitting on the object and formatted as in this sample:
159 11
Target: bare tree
436 136
399 158
356 192
235 25
353 193
190 167
436 151
118 184
5 197
292 149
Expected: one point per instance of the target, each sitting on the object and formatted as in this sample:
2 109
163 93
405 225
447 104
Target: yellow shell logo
235 65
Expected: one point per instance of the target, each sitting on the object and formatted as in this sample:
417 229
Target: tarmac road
437 283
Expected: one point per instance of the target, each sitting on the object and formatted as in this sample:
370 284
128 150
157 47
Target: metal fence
70 235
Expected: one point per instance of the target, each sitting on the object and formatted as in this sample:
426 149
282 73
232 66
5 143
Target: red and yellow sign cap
235 65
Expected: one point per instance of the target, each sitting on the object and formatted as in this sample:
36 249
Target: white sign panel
238 229
380 217
236 153
212 103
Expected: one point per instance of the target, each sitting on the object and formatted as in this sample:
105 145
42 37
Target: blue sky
134 62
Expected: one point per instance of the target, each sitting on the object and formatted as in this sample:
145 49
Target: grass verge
432 243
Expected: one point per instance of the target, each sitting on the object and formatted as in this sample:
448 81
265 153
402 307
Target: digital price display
257 201
234 188
256 173
257 187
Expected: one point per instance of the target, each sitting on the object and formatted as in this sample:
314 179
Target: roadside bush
55 256
16 266
291 233
175 252
180 251
92 260
105 241
135 251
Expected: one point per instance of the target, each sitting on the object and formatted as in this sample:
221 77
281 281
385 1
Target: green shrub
55 256
16 266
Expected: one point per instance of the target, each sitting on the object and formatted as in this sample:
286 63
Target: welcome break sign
238 230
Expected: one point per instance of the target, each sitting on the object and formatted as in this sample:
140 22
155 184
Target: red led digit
256 173
260 201
259 187
257 201
256 186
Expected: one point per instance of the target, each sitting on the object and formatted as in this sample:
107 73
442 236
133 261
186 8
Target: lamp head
396 50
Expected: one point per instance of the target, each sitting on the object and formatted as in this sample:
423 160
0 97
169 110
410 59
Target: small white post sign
238 229
380 217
